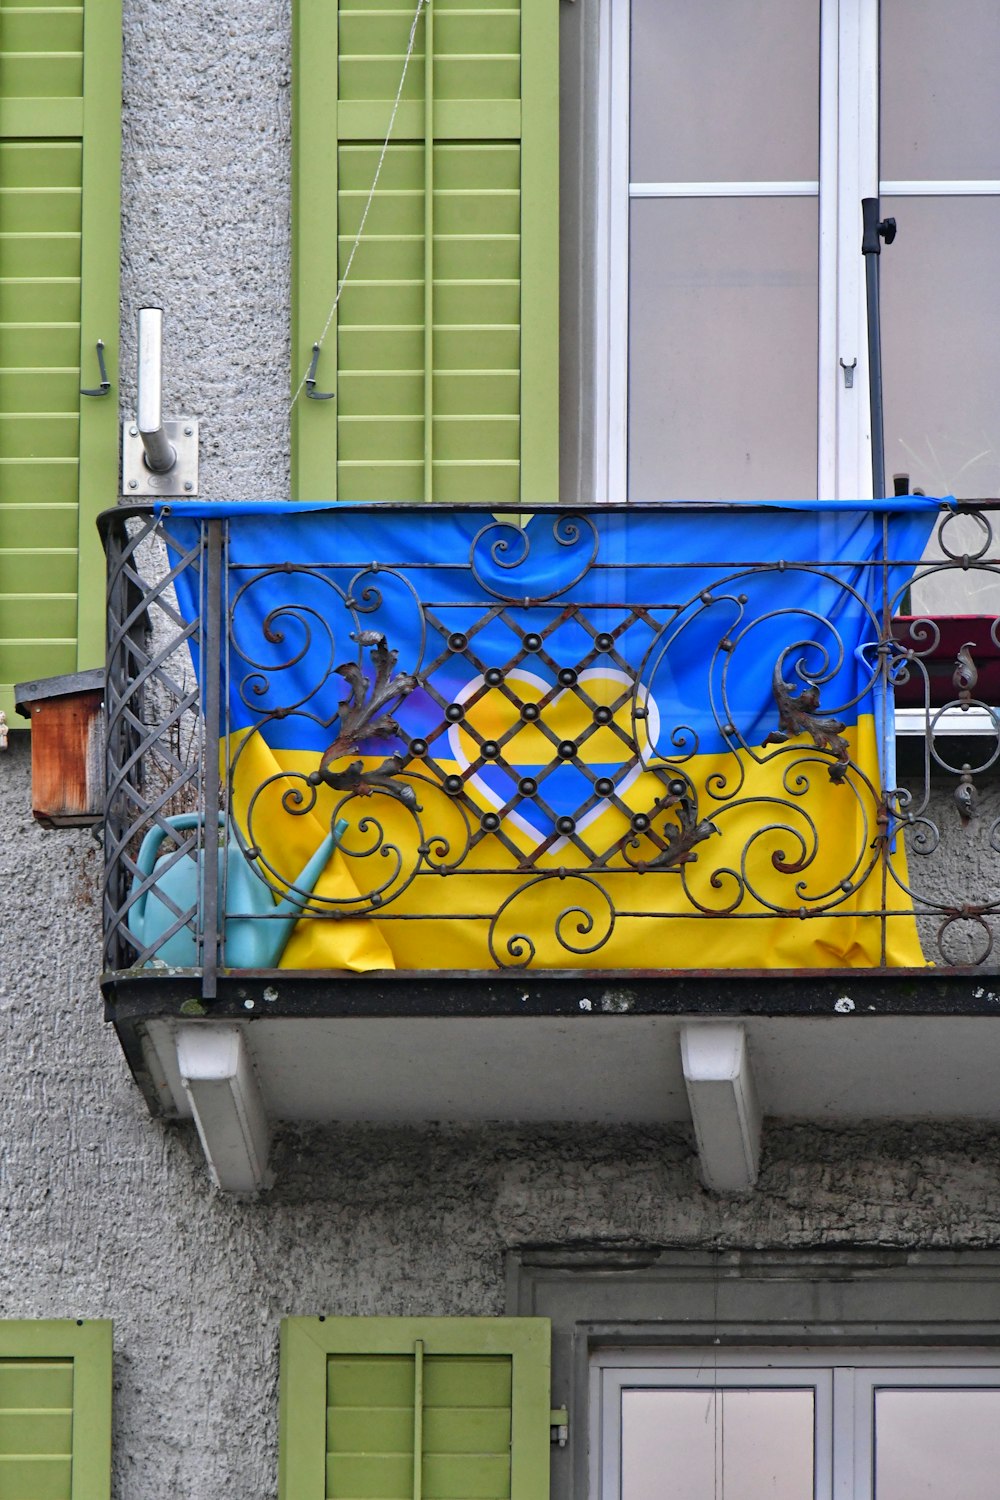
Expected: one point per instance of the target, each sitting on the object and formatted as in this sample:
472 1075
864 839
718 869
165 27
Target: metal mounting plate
182 479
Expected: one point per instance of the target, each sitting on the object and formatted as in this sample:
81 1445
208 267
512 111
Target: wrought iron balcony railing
348 739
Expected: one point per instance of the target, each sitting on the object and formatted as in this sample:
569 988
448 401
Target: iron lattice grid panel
155 727
571 675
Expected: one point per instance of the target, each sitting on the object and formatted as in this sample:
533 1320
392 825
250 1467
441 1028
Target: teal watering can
257 927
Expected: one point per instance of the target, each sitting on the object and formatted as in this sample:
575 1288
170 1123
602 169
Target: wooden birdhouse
67 747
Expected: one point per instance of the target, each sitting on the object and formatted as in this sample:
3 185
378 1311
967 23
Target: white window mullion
830 376
848 1423
858 171
611 383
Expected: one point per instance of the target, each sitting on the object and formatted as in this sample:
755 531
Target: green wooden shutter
443 354
55 1410
415 1409
60 104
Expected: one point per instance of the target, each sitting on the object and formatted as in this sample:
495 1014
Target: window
739 141
903 1345
705 1425
60 103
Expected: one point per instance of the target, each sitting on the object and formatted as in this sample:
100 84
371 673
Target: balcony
392 782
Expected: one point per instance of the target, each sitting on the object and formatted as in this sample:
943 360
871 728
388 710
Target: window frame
847 172
844 1383
946 1303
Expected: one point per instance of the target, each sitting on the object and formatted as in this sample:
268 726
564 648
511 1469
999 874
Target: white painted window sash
848 171
844 1384
706 1370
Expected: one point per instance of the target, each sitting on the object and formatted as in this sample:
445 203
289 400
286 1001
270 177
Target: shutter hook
312 394
105 382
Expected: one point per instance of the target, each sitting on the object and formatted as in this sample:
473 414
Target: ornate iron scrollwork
364 715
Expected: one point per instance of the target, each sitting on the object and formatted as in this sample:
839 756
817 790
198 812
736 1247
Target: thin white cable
371 194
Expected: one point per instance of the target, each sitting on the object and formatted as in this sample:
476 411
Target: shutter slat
34 435
376 1381
43 30
454 119
45 481
38 1384
48 116
35 390
40 254
21 297
40 210
36 1432
42 75
35 657
38 617
44 569
24 164
34 344
36 1478
22 527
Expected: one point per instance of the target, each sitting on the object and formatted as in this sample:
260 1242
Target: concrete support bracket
218 1077
724 1105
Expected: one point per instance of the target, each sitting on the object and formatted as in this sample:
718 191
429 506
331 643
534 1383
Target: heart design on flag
530 748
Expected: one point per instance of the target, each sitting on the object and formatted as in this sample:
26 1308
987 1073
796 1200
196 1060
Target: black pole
871 249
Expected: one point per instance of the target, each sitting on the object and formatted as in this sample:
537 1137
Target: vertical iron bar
429 251
211 655
887 741
418 1419
871 250
114 674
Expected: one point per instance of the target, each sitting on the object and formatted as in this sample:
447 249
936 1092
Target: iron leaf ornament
966 674
681 837
797 714
966 797
364 715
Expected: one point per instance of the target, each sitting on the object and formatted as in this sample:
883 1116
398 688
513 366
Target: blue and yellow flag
648 738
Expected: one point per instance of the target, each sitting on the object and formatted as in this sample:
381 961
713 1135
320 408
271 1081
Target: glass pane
940 297
723 349
940 81
937 1445
717 1445
725 91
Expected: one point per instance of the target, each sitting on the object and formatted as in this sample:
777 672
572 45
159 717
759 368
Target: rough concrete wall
206 196
105 1213
952 865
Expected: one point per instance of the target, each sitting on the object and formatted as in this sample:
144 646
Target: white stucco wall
206 197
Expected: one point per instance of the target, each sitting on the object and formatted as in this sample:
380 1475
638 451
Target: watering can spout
278 929
165 912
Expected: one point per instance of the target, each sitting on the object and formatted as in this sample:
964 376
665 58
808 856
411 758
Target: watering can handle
150 847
